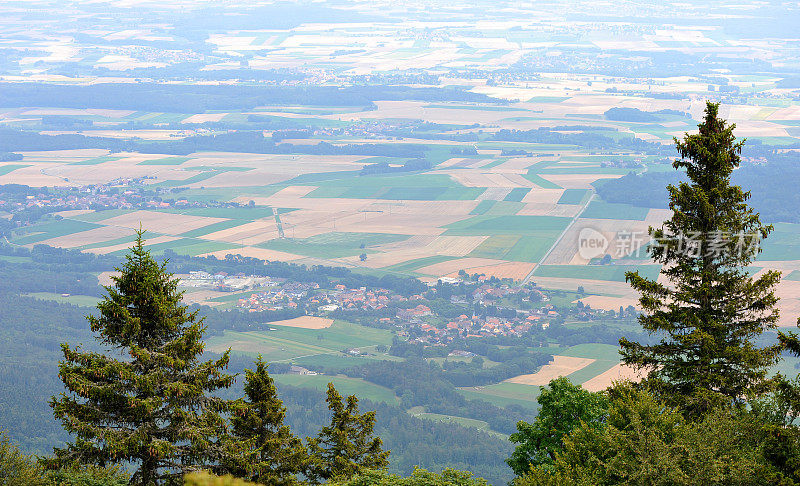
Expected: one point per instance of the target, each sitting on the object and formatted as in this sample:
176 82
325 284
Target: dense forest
772 186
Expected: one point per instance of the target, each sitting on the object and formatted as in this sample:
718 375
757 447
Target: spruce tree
346 446
707 311
146 400
264 449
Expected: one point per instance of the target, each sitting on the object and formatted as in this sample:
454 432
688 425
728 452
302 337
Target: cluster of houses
413 326
322 300
123 193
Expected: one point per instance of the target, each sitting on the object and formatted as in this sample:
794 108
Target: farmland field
287 343
345 385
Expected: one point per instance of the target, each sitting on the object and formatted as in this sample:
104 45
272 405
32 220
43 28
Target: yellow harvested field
89 237
789 113
237 179
254 252
144 134
305 322
247 233
623 236
656 217
380 260
617 373
33 176
105 278
471 178
543 196
577 181
608 303
168 223
618 289
202 296
205 117
454 245
74 212
560 366
494 194
453 266
545 209
397 223
789 293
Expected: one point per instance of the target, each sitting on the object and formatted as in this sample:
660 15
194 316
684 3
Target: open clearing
560 366
617 373
305 322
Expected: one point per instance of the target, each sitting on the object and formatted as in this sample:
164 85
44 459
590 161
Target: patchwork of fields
515 216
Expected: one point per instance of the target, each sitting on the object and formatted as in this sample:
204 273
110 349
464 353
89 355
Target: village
476 307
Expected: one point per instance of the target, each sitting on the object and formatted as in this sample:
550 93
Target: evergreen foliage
645 441
710 311
17 469
264 449
150 405
564 407
347 445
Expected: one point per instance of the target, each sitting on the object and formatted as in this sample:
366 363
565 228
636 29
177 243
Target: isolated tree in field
146 401
347 446
264 449
709 311
563 408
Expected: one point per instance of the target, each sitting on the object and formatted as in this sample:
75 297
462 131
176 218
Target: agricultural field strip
255 336
560 237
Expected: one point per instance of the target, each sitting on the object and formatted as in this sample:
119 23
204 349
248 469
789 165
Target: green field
573 196
415 187
483 207
606 356
412 265
186 246
495 247
332 245
96 216
541 181
80 300
241 213
541 226
794 276
45 231
165 161
287 343
614 273
336 362
212 228
345 385
517 194
9 168
96 160
503 394
782 244
529 249
604 210
463 421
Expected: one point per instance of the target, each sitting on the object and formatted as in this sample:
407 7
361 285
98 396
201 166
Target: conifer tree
146 400
264 449
709 311
346 446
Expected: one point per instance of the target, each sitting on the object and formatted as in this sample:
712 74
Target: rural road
561 237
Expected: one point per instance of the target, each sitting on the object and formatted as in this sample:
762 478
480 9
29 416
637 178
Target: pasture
286 343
